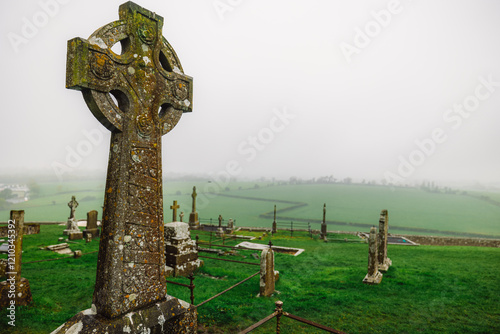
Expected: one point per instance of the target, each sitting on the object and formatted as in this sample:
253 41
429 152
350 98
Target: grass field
349 207
427 290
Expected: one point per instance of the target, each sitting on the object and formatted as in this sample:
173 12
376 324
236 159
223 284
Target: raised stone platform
171 315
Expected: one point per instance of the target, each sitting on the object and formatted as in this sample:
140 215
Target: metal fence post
191 287
279 311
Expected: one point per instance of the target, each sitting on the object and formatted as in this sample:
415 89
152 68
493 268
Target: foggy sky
366 89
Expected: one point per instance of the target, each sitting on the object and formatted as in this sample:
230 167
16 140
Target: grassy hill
349 207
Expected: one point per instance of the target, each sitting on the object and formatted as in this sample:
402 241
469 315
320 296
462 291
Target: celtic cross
139 95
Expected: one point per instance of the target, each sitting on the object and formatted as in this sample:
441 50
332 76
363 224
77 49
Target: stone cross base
194 222
94 232
374 279
181 255
171 315
323 235
75 235
385 266
22 293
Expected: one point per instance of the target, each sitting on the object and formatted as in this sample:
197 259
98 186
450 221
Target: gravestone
174 208
194 223
220 230
230 225
16 289
181 253
181 216
383 261
267 273
151 93
92 228
72 230
323 235
275 225
374 276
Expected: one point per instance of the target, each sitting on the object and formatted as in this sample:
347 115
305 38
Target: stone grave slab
279 249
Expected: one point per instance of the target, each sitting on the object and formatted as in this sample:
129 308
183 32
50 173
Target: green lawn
427 290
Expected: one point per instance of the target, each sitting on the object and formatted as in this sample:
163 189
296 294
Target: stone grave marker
174 208
16 289
180 250
267 273
374 276
230 225
181 216
151 92
275 225
220 230
194 223
72 230
383 261
92 230
323 235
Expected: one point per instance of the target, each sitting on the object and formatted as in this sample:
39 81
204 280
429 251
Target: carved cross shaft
138 94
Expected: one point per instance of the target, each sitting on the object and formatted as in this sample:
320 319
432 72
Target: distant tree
178 193
6 193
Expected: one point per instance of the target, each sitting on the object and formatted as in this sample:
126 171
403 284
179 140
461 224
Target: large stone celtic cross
139 95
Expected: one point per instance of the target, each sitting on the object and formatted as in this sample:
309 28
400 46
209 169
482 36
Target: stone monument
181 216
230 225
194 223
72 230
267 273
275 225
220 230
374 276
383 261
323 235
180 250
16 289
174 208
151 93
92 228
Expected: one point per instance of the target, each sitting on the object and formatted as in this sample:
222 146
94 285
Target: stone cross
15 288
220 220
193 195
174 207
383 261
193 216
73 204
181 215
374 276
139 95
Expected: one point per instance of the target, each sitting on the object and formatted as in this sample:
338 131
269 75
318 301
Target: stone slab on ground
279 249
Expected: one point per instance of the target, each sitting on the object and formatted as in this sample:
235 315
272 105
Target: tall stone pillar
383 261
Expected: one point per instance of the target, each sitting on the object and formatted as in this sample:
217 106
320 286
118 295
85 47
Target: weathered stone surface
374 276
3 268
168 316
152 92
71 227
181 254
92 228
15 288
75 235
267 273
383 261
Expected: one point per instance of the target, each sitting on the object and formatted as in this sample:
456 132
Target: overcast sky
407 90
